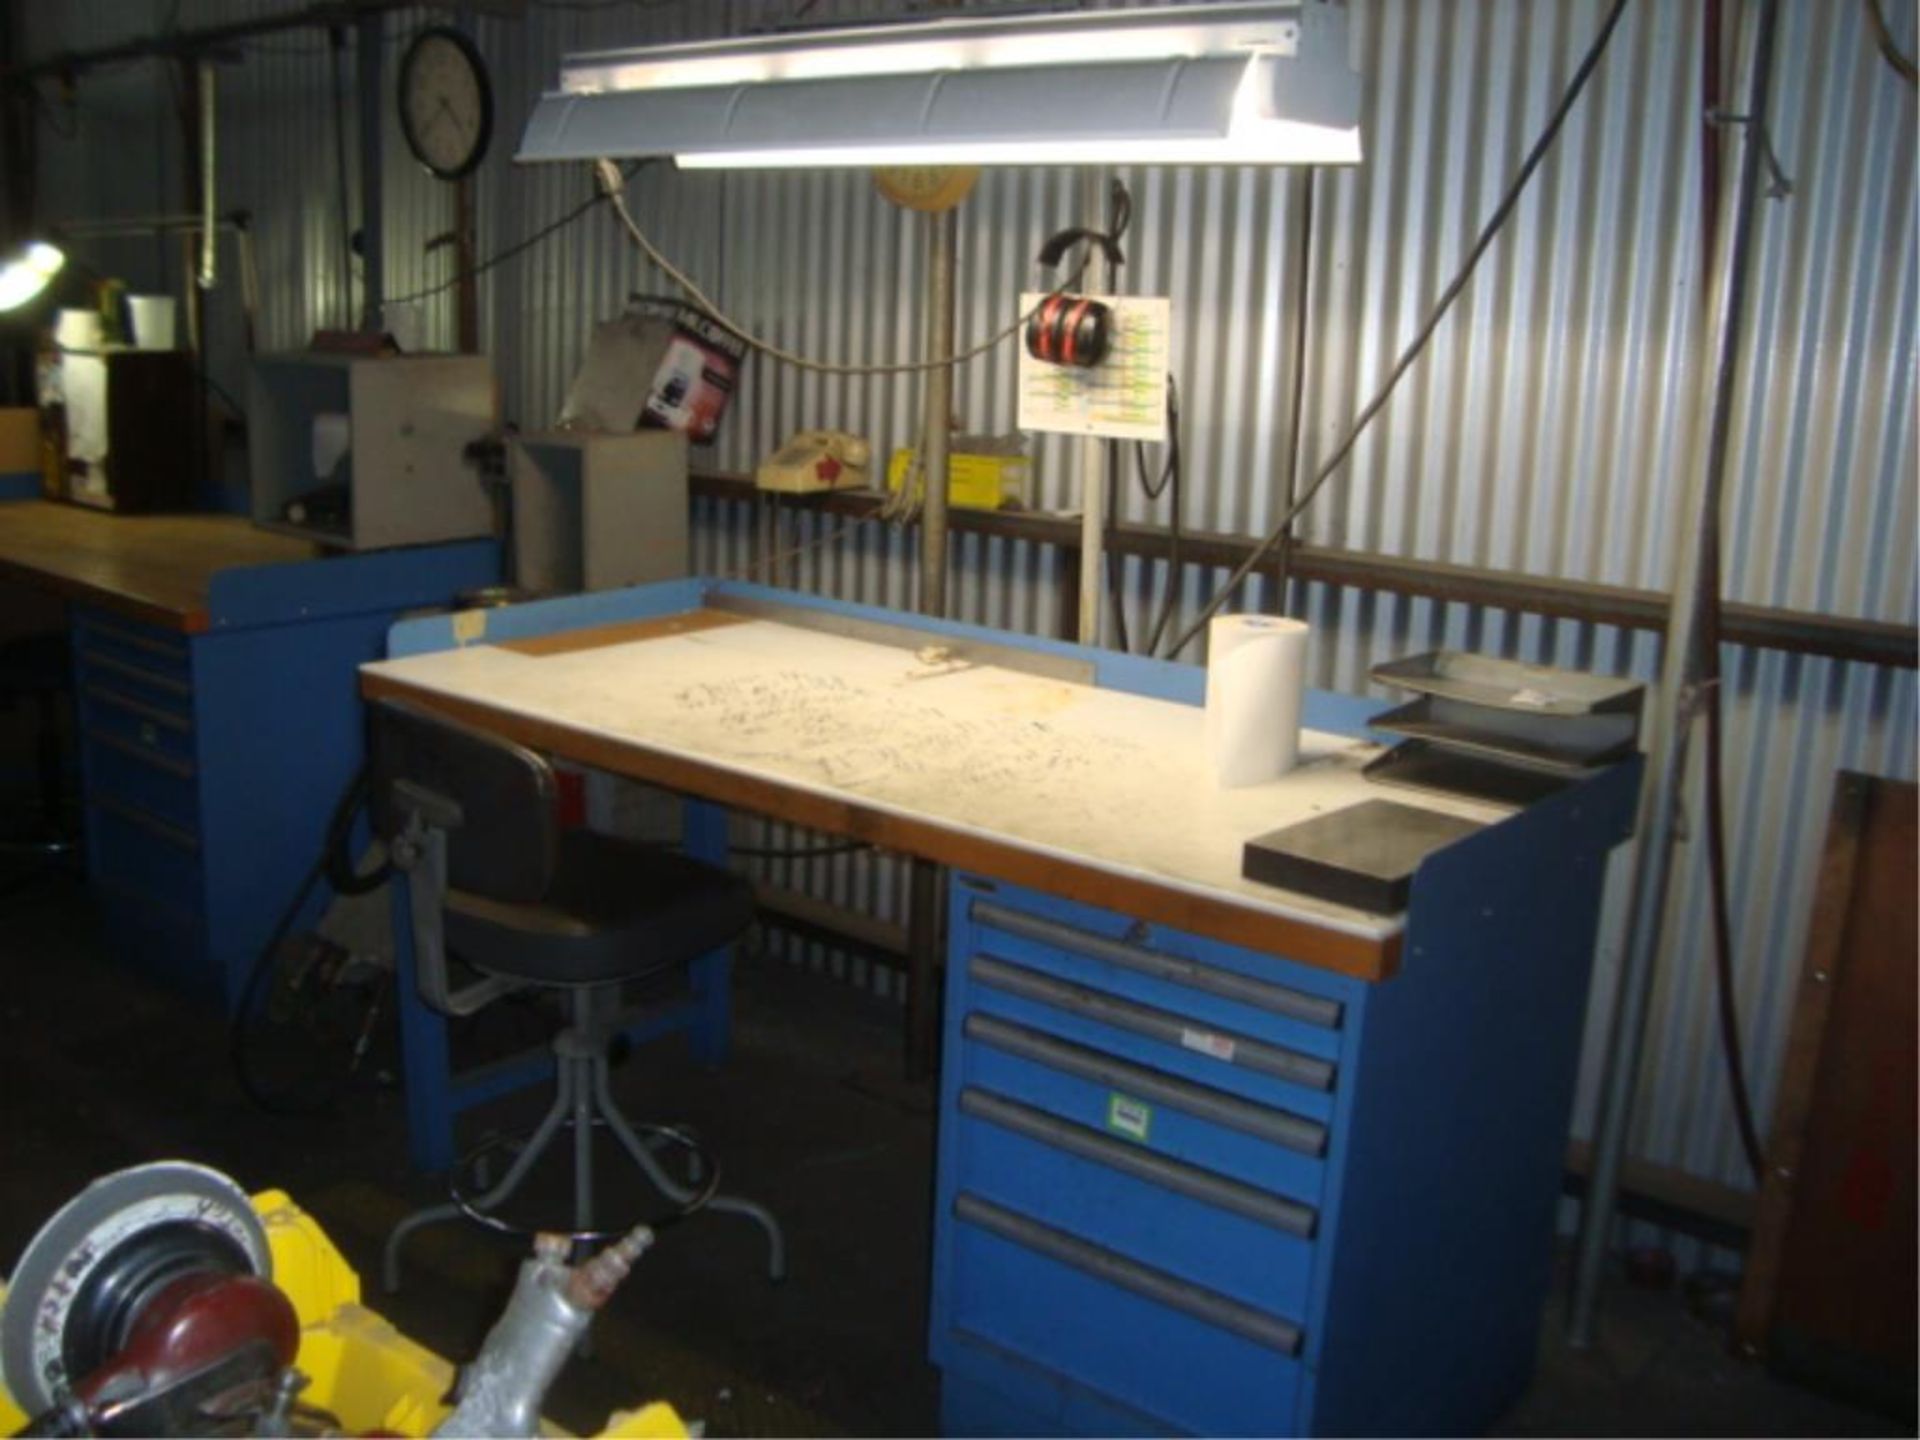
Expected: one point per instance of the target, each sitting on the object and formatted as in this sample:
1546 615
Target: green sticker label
1129 1117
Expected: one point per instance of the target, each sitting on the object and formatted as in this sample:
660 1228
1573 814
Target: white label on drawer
1129 1117
1207 1043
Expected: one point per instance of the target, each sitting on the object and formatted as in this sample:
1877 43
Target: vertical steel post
926 898
1093 452
937 429
370 68
209 208
1680 672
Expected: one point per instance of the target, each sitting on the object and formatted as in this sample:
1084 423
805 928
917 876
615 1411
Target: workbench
216 712
1213 1156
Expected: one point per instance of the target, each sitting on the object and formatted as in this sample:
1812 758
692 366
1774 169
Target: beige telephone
816 460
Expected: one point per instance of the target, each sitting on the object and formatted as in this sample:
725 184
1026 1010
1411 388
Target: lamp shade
27 272
1197 84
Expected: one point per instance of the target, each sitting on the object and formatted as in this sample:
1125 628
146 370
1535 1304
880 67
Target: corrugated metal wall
1545 430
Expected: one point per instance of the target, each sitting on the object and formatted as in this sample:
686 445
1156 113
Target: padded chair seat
616 910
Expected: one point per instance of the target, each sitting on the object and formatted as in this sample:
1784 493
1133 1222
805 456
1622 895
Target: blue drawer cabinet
211 759
1185 1187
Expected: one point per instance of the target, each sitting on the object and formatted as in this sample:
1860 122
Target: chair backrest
504 845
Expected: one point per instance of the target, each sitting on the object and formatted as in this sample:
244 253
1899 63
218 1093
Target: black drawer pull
1227 984
173 685
1288 1216
132 639
1158 1286
1309 1137
176 835
1160 1025
141 708
167 763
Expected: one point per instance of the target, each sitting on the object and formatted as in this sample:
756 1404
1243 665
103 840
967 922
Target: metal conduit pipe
937 428
1673 720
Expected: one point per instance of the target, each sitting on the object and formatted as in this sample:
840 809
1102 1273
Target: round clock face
446 107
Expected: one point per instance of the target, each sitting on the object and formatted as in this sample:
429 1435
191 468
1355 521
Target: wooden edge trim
1800 1063
151 612
619 632
1296 940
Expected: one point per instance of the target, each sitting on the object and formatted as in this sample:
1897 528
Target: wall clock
446 102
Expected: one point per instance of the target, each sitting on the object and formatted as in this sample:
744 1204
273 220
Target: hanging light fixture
1211 84
26 273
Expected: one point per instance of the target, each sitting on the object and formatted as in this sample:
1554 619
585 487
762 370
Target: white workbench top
1094 776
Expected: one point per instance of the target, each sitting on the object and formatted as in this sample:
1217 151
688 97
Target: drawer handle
159 761
1201 1303
1162 1025
1227 984
134 815
133 640
171 684
1208 1188
1308 1137
141 708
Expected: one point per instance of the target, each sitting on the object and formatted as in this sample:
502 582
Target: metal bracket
421 851
1779 183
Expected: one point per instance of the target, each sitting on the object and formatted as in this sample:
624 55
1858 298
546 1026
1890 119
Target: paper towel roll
1256 670
78 330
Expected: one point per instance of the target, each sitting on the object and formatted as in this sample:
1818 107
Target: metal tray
1508 685
1420 765
1559 744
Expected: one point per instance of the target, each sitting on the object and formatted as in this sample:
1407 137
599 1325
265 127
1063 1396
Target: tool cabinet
1186 1187
211 757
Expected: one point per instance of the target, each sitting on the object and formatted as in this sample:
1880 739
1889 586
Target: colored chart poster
1124 396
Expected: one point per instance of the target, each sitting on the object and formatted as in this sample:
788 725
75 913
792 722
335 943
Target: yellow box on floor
360 1369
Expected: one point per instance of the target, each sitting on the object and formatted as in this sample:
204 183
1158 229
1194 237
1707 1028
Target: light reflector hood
1197 84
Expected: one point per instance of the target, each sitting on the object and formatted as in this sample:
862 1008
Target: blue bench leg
426 1068
703 835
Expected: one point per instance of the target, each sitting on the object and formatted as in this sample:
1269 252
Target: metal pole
943 230
1093 470
1680 670
369 62
926 895
209 208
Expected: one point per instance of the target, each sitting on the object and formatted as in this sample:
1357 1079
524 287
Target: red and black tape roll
1070 330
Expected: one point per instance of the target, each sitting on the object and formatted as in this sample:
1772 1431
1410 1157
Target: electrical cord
1588 63
519 247
1902 65
1726 1009
753 567
613 184
332 864
799 852
1169 485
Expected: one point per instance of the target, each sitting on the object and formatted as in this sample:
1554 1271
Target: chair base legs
583 1098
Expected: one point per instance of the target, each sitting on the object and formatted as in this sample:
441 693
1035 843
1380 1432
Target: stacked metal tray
1495 729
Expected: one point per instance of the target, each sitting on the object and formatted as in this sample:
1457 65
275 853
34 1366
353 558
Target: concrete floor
811 1117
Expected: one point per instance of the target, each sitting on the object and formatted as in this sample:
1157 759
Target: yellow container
19 440
974 482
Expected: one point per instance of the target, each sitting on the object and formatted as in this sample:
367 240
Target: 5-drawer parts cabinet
1185 1186
213 748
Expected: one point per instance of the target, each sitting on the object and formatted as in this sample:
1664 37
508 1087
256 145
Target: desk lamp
27 272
